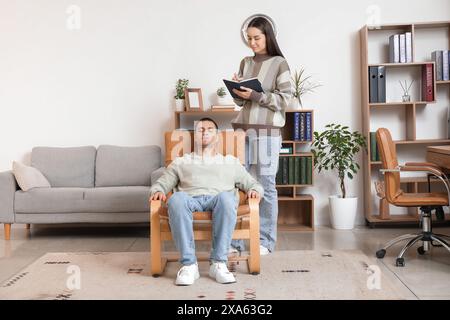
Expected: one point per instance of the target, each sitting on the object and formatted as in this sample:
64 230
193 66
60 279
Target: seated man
205 181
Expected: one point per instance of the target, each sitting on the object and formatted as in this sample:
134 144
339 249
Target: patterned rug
125 275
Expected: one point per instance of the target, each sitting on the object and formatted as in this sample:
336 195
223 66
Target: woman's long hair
266 28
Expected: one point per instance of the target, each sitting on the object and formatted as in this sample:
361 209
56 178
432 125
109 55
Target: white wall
111 82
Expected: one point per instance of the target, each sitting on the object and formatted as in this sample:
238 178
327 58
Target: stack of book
302 126
374 153
223 107
400 48
294 170
427 83
442 62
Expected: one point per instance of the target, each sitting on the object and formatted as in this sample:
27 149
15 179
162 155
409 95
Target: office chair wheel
400 262
156 276
255 273
381 253
421 250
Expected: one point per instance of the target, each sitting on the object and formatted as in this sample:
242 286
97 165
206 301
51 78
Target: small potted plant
179 94
302 86
223 99
335 149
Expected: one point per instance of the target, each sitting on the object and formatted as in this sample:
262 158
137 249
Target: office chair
427 202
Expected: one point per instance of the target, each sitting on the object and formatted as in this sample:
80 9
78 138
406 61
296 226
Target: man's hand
243 94
252 194
159 196
237 78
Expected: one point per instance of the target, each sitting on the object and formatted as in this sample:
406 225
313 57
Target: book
427 82
297 126
309 170
252 83
279 176
303 170
302 126
285 175
286 150
291 170
381 84
373 84
437 56
308 127
394 48
408 47
373 147
297 170
402 48
445 65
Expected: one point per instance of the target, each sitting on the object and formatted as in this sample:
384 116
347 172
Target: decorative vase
343 212
179 104
406 98
294 105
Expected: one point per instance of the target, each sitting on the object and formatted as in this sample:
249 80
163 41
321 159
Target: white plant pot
179 104
224 101
343 212
294 105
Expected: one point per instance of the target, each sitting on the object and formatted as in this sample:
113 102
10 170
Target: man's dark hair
206 119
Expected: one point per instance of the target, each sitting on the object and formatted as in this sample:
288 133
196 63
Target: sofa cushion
79 200
118 199
28 177
66 167
126 166
49 200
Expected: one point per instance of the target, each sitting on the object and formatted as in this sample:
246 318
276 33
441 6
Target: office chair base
426 236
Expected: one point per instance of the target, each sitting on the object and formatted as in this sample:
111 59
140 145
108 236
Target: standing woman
262 117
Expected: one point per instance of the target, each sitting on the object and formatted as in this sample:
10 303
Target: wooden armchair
247 225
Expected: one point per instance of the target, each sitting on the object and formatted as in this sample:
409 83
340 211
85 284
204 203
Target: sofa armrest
155 175
8 187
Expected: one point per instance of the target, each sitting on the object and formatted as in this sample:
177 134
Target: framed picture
193 99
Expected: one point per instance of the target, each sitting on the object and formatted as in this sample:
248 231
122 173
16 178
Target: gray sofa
110 184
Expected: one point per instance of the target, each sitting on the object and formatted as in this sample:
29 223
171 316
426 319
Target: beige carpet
125 275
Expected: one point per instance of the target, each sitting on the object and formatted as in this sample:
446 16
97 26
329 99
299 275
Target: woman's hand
244 94
236 78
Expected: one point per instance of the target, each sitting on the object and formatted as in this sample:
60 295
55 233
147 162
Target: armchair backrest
179 142
388 153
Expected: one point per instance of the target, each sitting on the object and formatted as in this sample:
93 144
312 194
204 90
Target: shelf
301 154
296 141
443 82
391 104
424 141
293 185
418 180
303 110
399 65
207 111
378 163
298 197
401 219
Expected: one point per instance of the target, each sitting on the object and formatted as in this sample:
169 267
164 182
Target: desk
440 156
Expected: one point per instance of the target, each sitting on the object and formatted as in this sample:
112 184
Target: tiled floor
424 277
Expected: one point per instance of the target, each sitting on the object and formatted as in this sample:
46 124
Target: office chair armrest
425 164
428 169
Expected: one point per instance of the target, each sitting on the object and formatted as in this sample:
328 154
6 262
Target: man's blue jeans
223 207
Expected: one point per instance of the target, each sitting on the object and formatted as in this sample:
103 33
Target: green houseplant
335 148
302 85
180 86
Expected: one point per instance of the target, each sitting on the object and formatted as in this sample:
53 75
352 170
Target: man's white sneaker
219 272
263 250
187 275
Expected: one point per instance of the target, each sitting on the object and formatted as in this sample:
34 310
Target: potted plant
179 94
222 96
302 85
335 149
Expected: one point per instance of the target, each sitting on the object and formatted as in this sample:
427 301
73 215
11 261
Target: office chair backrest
388 154
179 142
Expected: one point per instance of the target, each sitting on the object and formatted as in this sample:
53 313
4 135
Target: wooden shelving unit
295 210
369 48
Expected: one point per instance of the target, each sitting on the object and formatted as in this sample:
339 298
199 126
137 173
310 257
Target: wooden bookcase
409 117
295 210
